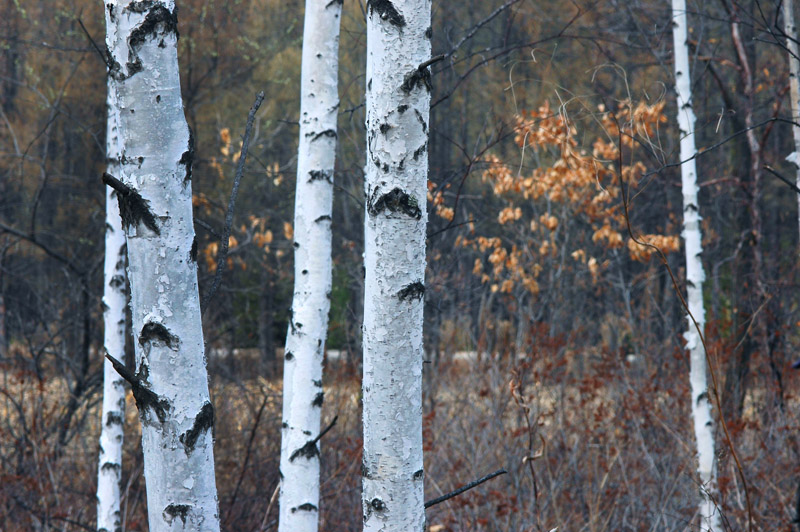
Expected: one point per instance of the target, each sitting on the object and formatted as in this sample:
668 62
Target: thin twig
247 456
685 305
269 506
769 169
103 56
226 232
325 431
462 489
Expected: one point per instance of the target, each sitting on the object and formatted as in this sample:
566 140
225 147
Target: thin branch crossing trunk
308 326
398 107
695 275
170 382
114 300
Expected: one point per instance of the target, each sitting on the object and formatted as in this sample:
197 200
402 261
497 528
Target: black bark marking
327 133
365 471
416 78
117 281
377 504
158 19
387 11
421 121
332 2
308 451
394 201
385 128
413 291
112 466
133 209
158 98
417 475
288 355
318 383
144 397
155 331
419 151
320 175
429 32
187 158
193 251
305 507
402 108
203 421
176 510
113 418
318 399
304 272
323 218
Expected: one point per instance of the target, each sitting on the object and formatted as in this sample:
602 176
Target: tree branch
226 232
462 489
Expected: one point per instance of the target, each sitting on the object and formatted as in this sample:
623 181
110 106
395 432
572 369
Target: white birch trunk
701 406
308 326
398 105
114 300
170 383
790 29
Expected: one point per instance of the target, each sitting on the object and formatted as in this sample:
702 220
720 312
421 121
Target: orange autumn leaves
575 185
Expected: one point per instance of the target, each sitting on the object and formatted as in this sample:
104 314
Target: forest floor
588 453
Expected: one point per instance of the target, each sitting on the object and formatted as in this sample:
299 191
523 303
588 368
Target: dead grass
609 450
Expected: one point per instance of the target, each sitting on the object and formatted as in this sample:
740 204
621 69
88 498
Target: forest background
554 341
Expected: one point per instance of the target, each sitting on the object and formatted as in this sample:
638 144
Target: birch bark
114 300
170 384
790 29
398 105
308 326
701 406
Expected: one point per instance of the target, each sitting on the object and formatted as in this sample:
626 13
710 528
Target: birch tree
305 342
790 29
170 382
114 300
398 105
701 406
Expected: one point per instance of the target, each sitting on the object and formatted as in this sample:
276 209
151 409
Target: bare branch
226 232
464 488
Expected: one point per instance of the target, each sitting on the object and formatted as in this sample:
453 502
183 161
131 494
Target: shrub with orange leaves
577 192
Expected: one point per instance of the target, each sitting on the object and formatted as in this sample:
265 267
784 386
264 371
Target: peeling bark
695 275
308 323
394 256
171 385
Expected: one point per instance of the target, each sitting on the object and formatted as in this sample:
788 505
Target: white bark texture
305 342
170 383
701 406
114 300
398 106
790 29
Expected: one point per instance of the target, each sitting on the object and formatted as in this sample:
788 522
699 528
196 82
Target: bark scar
387 11
145 398
413 291
394 201
133 209
203 421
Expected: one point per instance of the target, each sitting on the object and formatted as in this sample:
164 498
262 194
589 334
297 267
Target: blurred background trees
543 119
